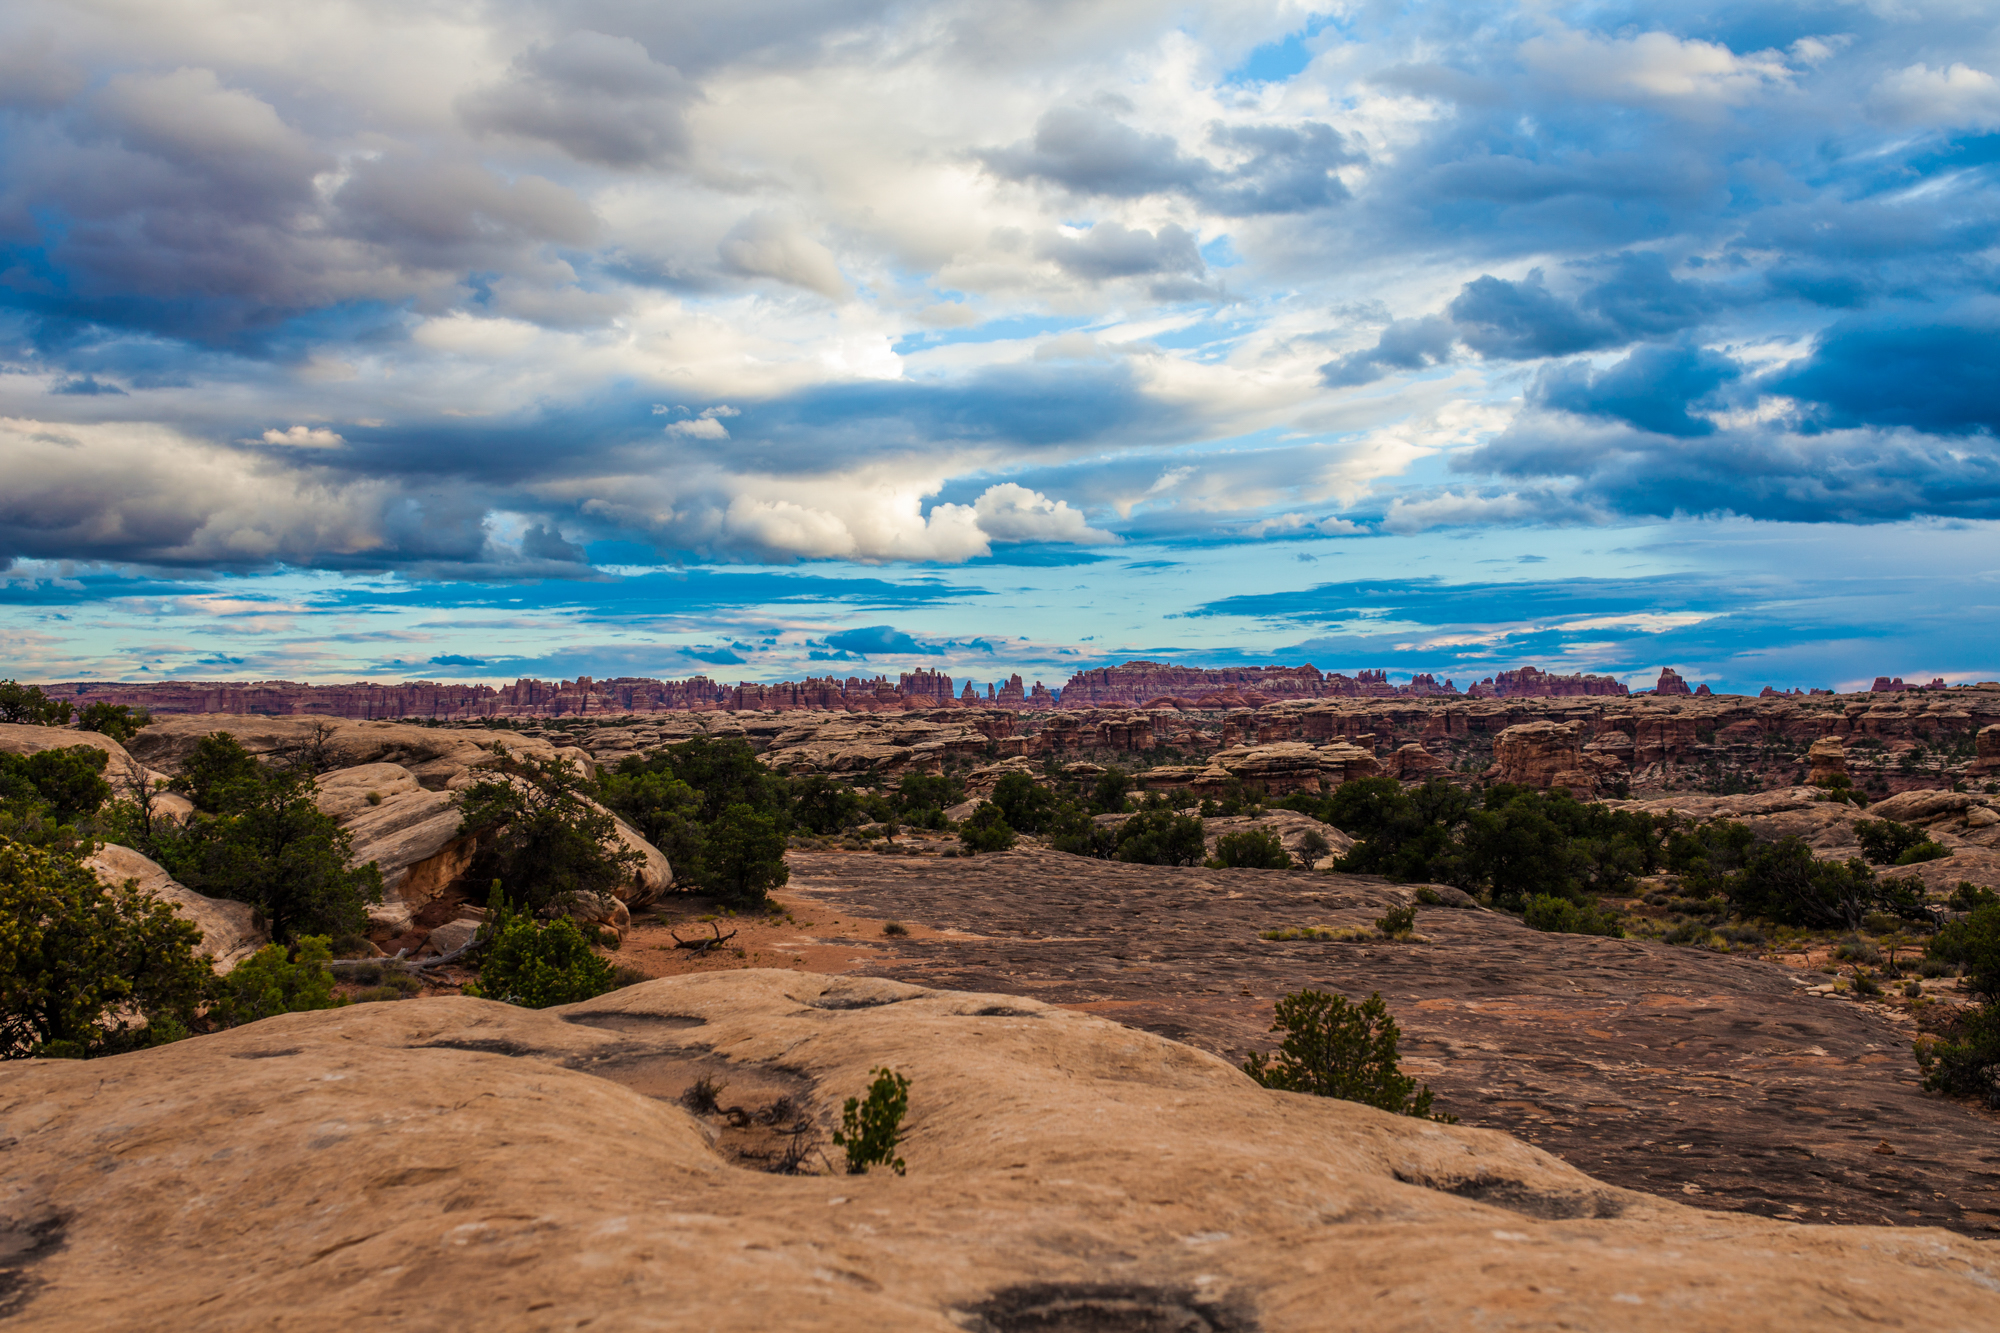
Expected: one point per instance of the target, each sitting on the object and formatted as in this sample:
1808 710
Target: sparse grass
895 928
1335 933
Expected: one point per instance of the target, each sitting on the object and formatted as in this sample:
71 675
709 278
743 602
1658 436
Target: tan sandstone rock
1543 755
1826 760
229 931
121 769
436 1163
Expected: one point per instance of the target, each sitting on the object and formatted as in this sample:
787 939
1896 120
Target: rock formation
1543 755
417 1162
1826 760
229 930
1671 683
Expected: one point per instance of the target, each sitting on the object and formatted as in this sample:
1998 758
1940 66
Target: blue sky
763 338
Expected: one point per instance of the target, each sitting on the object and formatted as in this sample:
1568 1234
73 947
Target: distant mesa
1133 685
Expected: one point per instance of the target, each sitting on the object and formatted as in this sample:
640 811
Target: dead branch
700 947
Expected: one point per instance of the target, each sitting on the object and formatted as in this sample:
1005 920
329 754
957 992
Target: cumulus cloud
1012 513
699 428
1112 250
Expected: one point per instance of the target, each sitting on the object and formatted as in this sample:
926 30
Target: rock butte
441 1163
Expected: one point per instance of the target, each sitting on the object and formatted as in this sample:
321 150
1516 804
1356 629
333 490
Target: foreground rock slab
447 1163
1678 1071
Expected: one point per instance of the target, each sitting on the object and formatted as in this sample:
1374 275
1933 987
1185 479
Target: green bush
65 784
1160 838
543 839
1784 882
1964 1059
821 805
259 839
1969 896
870 1129
1564 917
1026 805
1075 832
26 704
121 722
1107 794
1884 840
1397 921
1252 849
79 962
537 964
742 857
1974 944
986 829
721 817
270 982
1333 1048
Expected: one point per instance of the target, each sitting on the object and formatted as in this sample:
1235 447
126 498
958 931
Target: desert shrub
26 704
1964 1058
537 964
1969 896
1313 848
1026 805
1161 838
742 857
820 804
258 838
1689 933
986 830
896 928
921 800
871 1128
1075 832
1745 935
1564 917
1866 986
720 816
1397 921
1783 882
65 784
1334 933
1332 1048
275 981
1885 842
79 962
1252 849
1107 794
1974 944
1854 949
1936 967
542 837
121 722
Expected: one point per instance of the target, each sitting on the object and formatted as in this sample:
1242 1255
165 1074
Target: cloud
542 542
771 246
86 386
880 641
305 437
1110 250
1011 513
1651 389
699 428
1955 97
1268 168
1898 370
599 98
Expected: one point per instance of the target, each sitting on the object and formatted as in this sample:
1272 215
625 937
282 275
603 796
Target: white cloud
703 427
306 437
1011 513
1655 67
770 246
1957 96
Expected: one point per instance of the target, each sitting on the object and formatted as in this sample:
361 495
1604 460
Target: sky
390 341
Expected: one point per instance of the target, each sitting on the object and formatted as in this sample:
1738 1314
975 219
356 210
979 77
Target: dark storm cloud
1651 389
1888 371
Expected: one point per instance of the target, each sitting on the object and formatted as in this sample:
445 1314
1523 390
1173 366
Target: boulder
1543 755
444 1156
1825 761
1924 807
1413 761
229 930
1986 750
414 839
454 934
348 792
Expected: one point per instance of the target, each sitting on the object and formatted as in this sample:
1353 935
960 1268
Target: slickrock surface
1677 1071
454 1163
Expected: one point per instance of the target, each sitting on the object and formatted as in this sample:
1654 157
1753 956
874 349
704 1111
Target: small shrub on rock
1963 1058
1252 849
870 1129
1333 1048
1564 917
1974 944
1883 841
1397 921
